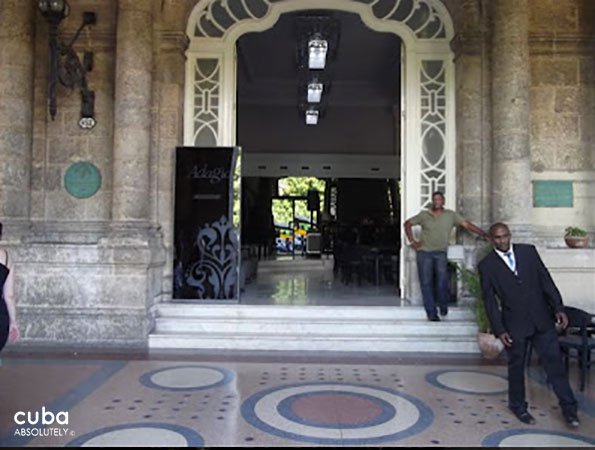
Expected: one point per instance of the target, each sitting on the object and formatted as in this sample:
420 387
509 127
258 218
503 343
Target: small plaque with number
82 180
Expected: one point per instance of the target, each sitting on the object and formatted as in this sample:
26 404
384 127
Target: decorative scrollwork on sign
424 19
433 129
214 275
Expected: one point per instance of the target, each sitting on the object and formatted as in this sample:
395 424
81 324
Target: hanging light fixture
317 40
317 50
315 89
312 116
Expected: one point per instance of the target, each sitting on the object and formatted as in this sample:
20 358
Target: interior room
337 246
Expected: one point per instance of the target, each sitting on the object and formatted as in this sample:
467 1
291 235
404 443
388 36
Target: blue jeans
433 279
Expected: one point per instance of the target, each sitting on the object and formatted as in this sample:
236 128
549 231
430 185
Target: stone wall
16 79
562 38
81 279
87 294
473 109
59 143
573 271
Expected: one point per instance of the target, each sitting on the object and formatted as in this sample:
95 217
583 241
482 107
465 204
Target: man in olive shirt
436 225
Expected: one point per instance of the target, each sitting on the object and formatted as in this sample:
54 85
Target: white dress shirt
507 257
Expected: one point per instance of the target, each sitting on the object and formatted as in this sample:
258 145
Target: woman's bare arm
8 293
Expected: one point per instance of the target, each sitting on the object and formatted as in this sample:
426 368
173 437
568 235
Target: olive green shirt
435 231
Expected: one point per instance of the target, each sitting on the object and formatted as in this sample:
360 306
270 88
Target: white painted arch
428 95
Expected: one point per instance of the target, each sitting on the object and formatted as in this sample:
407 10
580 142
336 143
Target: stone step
209 311
316 328
339 326
314 342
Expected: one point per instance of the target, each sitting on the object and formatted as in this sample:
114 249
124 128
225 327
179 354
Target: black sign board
206 247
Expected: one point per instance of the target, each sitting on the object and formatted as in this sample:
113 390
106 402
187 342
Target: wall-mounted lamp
65 65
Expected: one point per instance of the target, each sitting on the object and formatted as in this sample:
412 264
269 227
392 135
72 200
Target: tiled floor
276 399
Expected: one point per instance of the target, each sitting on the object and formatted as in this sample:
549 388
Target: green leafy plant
574 232
471 284
282 209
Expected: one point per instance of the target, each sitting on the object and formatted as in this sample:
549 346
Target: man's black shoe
572 420
434 319
525 417
443 311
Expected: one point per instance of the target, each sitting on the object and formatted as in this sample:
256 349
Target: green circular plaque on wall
82 180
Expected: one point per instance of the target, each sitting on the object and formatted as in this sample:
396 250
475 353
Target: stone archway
428 114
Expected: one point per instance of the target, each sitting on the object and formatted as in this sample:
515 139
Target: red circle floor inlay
336 409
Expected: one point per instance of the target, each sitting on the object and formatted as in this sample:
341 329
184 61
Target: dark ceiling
366 70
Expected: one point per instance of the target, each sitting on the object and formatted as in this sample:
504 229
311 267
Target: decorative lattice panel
207 101
433 129
422 17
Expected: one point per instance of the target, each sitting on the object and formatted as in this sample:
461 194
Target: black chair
578 341
350 263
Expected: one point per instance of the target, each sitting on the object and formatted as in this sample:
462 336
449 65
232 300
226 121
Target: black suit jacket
527 301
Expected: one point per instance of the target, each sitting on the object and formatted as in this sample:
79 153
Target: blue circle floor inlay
192 438
472 382
497 438
186 378
403 415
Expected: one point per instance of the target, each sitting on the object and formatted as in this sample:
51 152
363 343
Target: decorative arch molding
428 86
424 19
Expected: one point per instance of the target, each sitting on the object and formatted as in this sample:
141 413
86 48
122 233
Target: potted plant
489 345
576 237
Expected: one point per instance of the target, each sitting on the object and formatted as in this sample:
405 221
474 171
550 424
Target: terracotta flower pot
576 241
489 345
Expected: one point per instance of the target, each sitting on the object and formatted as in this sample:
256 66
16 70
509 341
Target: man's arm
474 229
547 284
408 231
490 303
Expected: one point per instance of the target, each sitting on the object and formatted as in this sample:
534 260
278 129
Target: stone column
473 115
511 170
168 101
132 112
16 110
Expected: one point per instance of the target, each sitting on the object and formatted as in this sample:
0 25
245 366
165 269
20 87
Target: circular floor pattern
536 438
140 435
336 413
468 382
184 378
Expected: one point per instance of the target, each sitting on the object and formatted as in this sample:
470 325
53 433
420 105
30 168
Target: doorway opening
320 201
421 113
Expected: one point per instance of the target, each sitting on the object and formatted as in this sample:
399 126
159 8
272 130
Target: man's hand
416 245
475 229
506 339
561 320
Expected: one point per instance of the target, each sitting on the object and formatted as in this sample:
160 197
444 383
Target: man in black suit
528 302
